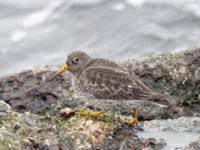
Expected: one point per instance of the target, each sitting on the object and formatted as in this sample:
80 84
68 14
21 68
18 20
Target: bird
104 79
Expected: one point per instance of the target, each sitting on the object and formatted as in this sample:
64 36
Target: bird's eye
75 61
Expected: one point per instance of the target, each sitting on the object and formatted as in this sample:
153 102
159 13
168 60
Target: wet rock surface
176 75
28 91
44 115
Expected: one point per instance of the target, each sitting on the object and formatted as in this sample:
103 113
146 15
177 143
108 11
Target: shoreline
41 114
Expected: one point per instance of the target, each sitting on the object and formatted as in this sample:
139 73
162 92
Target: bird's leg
135 116
92 115
134 121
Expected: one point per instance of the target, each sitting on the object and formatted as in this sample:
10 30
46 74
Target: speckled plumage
105 79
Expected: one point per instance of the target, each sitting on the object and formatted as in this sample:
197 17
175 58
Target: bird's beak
63 69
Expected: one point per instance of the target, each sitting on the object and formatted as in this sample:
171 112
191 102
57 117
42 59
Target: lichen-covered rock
174 74
194 145
125 138
4 106
29 131
29 91
8 141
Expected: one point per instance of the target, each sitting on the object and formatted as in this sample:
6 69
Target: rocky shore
38 114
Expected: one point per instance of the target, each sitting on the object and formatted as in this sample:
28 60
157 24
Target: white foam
4 50
35 19
39 17
185 4
170 2
84 2
194 8
119 6
18 35
136 3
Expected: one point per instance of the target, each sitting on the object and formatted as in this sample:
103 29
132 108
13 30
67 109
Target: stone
55 147
67 113
4 106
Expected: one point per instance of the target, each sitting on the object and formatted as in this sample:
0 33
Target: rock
26 144
55 147
197 75
4 106
152 141
43 113
43 146
28 91
86 134
156 144
29 118
33 142
5 134
174 74
182 124
67 113
126 138
16 127
8 141
194 145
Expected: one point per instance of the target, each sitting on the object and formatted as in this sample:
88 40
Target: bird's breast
77 84
74 83
80 88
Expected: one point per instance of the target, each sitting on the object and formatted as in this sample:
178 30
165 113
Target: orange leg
92 115
134 121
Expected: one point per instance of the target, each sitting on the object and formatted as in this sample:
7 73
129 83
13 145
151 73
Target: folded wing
110 83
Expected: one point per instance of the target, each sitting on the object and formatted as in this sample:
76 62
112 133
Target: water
35 33
177 133
173 139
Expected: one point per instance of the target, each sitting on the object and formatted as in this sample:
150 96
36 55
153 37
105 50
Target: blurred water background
40 32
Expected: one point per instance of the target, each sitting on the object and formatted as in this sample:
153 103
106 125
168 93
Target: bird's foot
92 115
133 122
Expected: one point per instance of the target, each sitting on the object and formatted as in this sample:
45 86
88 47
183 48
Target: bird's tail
162 100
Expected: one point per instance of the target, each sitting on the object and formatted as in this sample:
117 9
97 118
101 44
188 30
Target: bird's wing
110 83
139 82
106 63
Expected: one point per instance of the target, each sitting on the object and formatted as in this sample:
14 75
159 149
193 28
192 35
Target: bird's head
75 63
